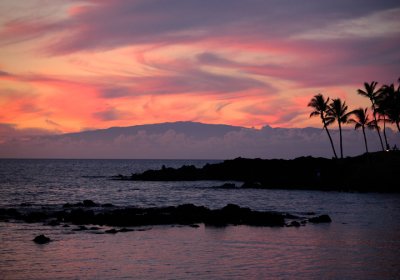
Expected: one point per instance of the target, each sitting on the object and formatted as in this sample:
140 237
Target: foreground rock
320 219
377 172
41 239
186 214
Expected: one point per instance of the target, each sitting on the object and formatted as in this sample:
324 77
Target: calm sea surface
362 242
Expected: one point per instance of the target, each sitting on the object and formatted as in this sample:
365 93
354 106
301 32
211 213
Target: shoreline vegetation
385 106
370 172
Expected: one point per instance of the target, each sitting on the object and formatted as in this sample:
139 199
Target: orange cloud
65 67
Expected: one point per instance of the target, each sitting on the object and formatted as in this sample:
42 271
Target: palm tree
383 103
371 93
389 103
320 106
362 121
394 113
337 110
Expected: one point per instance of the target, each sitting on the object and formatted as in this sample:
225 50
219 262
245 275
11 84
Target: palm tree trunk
384 132
376 122
341 144
365 139
330 139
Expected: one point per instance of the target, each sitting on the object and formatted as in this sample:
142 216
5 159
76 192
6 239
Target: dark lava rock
80 216
252 185
80 228
94 228
226 186
89 203
85 203
53 223
41 239
320 219
7 214
107 205
25 204
113 231
143 229
372 172
35 216
294 224
184 214
290 216
125 230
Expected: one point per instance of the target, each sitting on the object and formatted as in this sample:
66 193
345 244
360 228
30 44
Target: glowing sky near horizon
73 65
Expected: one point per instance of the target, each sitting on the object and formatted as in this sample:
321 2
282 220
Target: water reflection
165 252
362 242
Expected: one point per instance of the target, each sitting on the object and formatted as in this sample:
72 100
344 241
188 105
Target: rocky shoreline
373 172
89 213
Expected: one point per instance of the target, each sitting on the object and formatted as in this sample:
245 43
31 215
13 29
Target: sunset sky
69 66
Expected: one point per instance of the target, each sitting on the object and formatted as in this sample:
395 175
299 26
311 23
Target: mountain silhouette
191 129
189 140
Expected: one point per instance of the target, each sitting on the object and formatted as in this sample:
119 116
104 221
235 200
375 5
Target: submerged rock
80 228
41 239
125 230
85 203
320 219
226 186
126 217
294 224
89 203
53 223
252 185
112 231
107 205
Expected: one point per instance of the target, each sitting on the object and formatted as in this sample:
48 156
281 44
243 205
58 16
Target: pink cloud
224 61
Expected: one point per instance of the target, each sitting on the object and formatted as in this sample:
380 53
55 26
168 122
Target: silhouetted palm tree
320 106
362 121
337 110
372 94
389 103
382 105
394 113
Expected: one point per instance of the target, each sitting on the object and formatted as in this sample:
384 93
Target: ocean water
362 242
